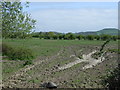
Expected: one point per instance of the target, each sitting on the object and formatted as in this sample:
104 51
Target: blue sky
74 16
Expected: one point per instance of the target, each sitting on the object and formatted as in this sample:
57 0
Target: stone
49 85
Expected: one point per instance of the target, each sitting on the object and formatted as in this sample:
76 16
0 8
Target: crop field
68 63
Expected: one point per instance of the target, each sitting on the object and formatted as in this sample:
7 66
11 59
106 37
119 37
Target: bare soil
66 69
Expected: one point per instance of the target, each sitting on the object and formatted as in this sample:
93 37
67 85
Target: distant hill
87 33
109 31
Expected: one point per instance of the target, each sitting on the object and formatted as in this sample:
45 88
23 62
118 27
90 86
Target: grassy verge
49 47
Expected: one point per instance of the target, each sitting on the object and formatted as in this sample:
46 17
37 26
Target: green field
55 53
50 47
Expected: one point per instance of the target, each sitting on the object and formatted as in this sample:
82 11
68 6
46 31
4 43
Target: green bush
7 49
111 80
17 53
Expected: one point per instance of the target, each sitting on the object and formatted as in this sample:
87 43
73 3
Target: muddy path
22 72
65 69
86 58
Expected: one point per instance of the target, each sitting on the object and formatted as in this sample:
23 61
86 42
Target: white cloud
75 20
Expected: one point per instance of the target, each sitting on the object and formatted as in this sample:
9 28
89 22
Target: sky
74 16
71 0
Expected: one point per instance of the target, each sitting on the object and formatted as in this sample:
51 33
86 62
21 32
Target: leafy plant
21 53
28 62
100 52
18 53
104 44
15 22
34 81
112 79
6 49
80 57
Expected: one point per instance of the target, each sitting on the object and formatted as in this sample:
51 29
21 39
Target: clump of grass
8 70
104 44
6 49
34 81
80 57
22 54
97 55
18 53
101 51
111 80
114 50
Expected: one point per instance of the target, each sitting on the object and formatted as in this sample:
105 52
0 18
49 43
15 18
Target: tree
90 37
41 35
35 35
105 37
79 37
49 35
114 37
55 37
69 36
72 36
0 20
60 36
15 22
97 37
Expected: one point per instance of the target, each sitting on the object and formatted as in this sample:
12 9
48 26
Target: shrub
28 62
104 44
79 37
105 37
17 53
6 49
80 57
101 51
90 37
22 54
112 79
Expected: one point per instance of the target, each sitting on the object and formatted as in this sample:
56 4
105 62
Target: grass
0 71
30 72
49 47
79 65
114 50
34 81
44 48
8 68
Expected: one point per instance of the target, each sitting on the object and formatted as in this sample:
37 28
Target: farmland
54 54
50 45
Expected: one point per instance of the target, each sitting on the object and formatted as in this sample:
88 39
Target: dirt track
86 58
63 70
21 72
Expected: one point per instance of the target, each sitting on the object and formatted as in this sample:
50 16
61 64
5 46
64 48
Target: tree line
72 36
18 24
